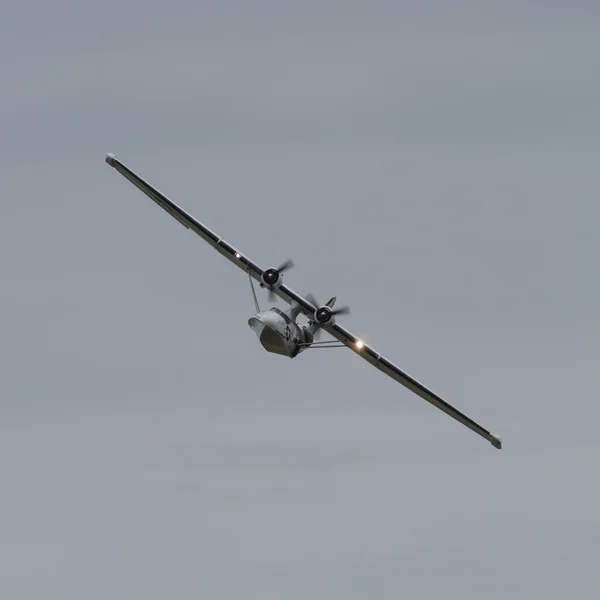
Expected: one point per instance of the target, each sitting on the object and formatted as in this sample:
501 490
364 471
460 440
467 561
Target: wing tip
496 441
111 159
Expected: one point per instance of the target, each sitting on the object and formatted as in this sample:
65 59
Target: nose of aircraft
270 339
256 325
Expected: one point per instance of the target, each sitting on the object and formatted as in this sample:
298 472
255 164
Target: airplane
278 330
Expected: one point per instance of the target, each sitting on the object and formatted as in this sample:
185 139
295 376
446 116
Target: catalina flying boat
277 330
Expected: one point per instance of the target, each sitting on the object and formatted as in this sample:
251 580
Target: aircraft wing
224 248
389 368
235 256
288 295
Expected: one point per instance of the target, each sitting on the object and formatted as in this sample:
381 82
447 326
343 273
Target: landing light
359 344
238 255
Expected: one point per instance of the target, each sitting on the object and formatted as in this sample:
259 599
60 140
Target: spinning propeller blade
288 264
343 310
312 300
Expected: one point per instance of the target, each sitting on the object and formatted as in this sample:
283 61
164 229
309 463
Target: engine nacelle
323 315
271 279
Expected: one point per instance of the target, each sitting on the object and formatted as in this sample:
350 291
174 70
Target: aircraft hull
270 334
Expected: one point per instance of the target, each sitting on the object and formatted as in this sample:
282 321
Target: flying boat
278 330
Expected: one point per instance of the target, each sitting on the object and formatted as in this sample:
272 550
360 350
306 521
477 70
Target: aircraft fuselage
279 333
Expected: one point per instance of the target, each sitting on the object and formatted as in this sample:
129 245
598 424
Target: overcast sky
434 165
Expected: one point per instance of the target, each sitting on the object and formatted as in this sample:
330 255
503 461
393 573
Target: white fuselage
279 333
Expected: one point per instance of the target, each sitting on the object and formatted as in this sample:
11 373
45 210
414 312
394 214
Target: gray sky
436 168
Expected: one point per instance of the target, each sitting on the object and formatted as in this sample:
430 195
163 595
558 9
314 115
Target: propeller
324 313
271 276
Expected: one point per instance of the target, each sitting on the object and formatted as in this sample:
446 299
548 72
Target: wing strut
254 293
325 344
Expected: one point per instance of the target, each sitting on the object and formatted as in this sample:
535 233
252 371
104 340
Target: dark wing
390 369
227 250
287 294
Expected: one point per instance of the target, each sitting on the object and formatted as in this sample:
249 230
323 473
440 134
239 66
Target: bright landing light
359 344
238 255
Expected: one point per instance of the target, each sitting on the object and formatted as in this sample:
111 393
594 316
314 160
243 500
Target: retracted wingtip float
277 330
